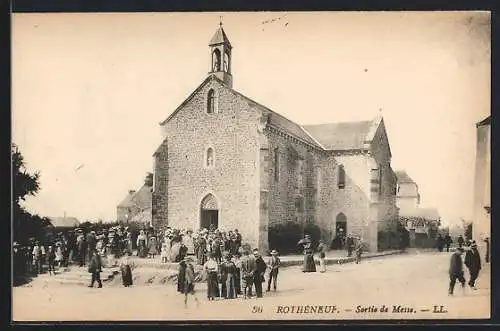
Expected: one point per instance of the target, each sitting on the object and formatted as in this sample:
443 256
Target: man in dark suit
95 268
473 263
258 276
456 270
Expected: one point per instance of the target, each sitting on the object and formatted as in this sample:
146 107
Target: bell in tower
220 52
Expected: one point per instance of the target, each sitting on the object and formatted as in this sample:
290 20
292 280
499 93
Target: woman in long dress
309 264
141 244
59 254
126 271
152 247
228 269
212 269
181 277
201 252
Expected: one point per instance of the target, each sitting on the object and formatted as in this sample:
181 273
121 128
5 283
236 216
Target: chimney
131 192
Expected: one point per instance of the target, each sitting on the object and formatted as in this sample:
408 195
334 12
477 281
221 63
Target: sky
89 91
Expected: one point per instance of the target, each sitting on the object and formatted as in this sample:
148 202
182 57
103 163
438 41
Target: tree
24 185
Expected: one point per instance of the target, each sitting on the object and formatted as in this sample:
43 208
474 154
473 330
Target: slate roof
403 177
141 199
219 37
281 122
334 136
341 136
64 222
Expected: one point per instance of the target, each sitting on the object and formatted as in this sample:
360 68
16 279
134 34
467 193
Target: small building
481 228
421 223
63 223
407 194
136 207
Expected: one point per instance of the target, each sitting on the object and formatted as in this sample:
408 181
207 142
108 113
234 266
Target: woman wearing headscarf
309 264
201 250
141 244
212 269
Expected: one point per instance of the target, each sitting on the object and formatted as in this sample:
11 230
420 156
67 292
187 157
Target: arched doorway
341 224
209 212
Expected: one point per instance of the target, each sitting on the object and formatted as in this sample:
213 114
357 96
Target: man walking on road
95 268
473 263
456 270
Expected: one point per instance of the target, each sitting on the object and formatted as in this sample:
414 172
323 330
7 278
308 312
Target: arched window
211 102
216 57
210 158
341 178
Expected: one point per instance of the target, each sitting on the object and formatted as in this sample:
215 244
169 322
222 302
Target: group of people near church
71 247
236 275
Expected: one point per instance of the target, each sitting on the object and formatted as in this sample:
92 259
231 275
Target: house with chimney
136 206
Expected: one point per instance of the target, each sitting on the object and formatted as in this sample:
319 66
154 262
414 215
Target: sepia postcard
243 166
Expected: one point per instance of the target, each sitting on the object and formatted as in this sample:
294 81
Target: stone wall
482 185
232 133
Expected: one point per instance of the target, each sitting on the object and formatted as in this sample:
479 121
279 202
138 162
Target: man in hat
473 263
259 272
274 266
456 270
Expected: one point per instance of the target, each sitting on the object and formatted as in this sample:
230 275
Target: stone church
229 161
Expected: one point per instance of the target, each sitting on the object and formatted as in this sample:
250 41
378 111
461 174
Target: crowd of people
472 261
237 275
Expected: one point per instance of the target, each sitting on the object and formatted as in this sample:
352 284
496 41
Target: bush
284 237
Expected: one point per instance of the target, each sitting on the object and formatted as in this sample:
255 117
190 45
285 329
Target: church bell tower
220 56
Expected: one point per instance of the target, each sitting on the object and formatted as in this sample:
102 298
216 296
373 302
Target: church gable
379 141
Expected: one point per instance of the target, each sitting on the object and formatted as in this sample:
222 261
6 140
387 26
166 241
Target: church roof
283 123
403 177
341 136
219 37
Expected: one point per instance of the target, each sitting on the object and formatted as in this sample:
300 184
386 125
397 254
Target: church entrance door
209 213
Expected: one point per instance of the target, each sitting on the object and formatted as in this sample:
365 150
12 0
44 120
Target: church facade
229 161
